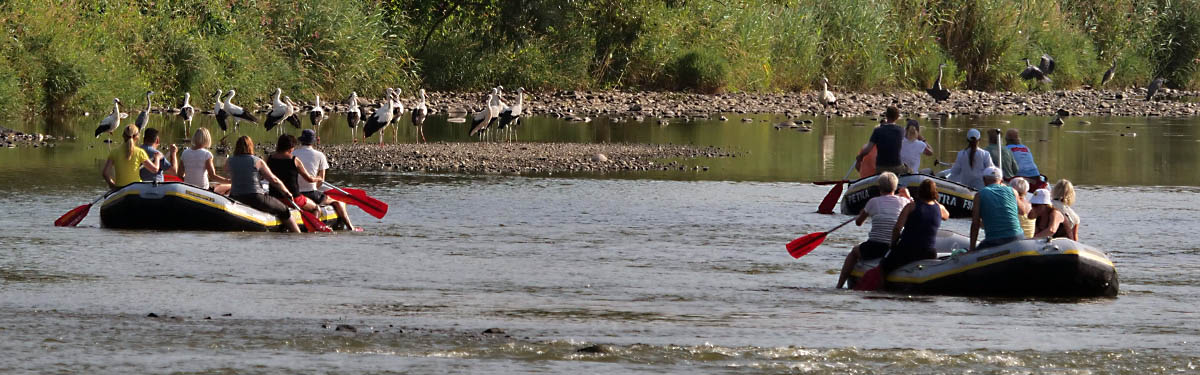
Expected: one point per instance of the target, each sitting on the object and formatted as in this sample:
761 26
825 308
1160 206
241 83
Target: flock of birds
1039 73
495 113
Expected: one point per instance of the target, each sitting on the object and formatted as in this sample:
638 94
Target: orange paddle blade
830 200
871 280
802 246
73 217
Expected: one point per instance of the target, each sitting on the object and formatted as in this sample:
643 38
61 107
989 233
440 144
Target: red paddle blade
359 198
73 217
871 280
802 246
830 200
171 178
312 223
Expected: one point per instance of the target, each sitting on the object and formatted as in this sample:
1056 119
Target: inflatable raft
957 198
179 206
1027 268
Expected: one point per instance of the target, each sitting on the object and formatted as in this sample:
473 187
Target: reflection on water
1090 151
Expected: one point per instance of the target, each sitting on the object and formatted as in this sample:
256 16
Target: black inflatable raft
179 206
1027 268
958 198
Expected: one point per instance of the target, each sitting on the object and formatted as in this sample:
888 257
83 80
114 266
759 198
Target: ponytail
131 133
971 146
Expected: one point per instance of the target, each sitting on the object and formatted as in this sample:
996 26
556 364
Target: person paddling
123 164
995 211
247 171
289 170
886 140
315 163
883 211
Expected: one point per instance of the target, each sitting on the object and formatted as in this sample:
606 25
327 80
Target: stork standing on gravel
827 98
489 113
419 111
112 121
381 118
353 115
144 116
316 114
186 111
938 92
511 115
397 113
278 112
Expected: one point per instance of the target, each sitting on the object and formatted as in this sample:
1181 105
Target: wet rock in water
594 349
493 331
151 315
723 118
345 328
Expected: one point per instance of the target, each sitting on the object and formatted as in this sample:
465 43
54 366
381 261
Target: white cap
993 172
972 135
1041 196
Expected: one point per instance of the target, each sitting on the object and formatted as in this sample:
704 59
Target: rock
594 349
600 158
345 327
151 315
493 331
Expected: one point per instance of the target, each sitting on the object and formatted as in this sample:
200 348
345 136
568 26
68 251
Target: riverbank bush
80 54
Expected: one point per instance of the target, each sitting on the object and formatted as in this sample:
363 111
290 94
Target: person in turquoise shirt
995 210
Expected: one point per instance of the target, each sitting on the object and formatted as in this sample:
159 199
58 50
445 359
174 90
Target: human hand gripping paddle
831 199
311 222
802 246
371 206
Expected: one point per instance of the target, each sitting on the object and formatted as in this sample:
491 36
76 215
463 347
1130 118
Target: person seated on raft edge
1021 187
168 164
246 170
913 146
123 164
970 163
883 211
315 163
916 229
1055 218
196 165
1021 155
886 140
1063 196
289 170
1009 166
994 209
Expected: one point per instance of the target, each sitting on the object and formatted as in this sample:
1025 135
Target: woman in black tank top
920 221
289 170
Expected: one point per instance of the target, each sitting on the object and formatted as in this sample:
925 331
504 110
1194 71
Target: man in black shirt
886 139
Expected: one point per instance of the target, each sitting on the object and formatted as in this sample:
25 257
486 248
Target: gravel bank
516 158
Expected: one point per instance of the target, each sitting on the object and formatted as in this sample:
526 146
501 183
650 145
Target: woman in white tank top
196 164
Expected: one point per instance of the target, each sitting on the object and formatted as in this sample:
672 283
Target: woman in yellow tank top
123 163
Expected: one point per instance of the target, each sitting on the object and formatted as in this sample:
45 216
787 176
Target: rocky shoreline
11 139
517 158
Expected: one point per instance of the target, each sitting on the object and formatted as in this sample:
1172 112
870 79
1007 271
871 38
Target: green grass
79 55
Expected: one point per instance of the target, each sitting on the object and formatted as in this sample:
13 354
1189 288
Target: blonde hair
887 182
130 134
202 139
1020 185
1064 191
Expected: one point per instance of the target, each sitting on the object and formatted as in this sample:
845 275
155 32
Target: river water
681 272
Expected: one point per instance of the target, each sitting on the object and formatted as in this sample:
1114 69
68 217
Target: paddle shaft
841 225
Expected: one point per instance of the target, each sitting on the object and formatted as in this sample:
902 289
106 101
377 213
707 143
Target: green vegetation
79 54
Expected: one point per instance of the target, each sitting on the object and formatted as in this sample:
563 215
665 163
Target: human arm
1056 219
928 149
945 212
173 159
304 172
900 221
976 222
212 172
862 217
1075 232
107 173
151 164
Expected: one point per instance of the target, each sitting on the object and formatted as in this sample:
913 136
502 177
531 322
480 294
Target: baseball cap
1041 196
972 135
993 172
307 137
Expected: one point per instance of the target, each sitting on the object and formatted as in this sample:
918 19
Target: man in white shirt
316 164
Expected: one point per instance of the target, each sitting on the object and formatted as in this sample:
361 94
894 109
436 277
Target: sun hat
993 172
972 135
307 137
1041 196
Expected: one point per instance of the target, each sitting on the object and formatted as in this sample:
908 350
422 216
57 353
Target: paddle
311 222
359 198
870 280
831 199
76 215
804 245
171 178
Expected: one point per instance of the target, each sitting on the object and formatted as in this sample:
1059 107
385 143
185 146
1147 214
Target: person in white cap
1049 221
970 163
995 210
